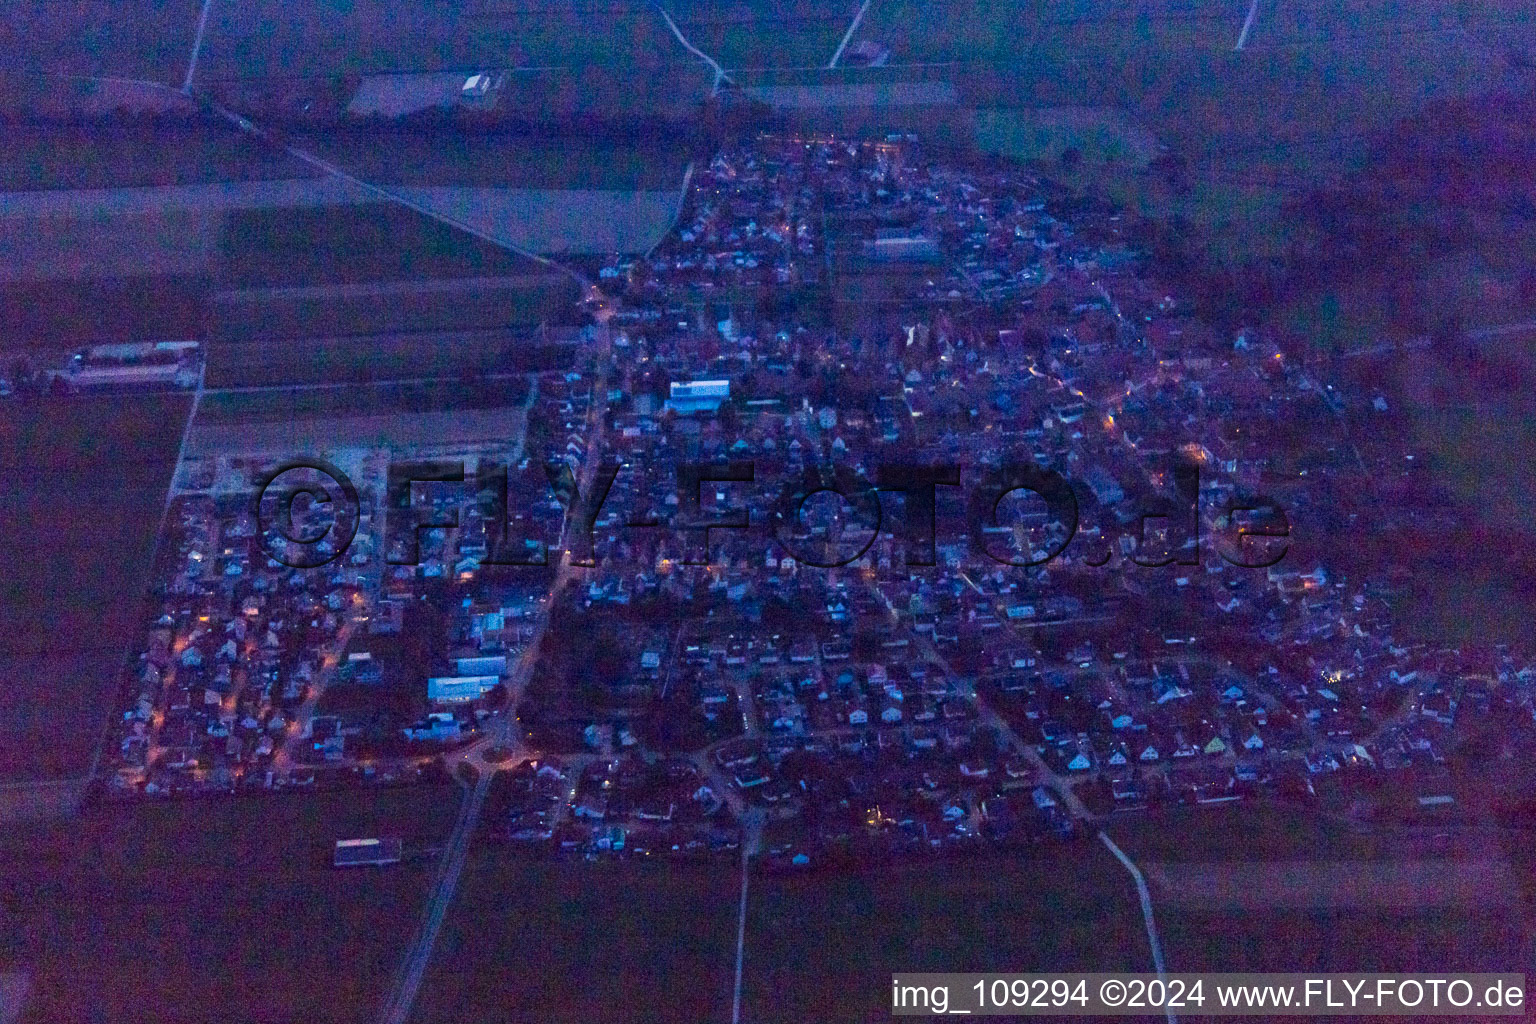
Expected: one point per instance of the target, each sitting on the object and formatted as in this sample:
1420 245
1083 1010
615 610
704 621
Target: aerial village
705 585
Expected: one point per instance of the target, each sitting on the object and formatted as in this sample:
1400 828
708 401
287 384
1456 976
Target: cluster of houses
257 672
869 659
753 222
623 806
1159 653
234 645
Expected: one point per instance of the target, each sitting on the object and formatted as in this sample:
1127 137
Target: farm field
292 245
978 31
152 39
1299 105
525 299
75 543
1262 888
1460 417
320 420
43 315
420 157
1313 85
364 359
818 946
755 34
61 251
1246 832
1100 136
564 221
110 155
328 435
373 36
361 400
823 947
215 910
1488 939
1269 833
277 247
570 942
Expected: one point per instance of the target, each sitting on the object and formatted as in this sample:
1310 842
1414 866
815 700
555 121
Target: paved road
1158 962
301 728
452 863
502 733
682 204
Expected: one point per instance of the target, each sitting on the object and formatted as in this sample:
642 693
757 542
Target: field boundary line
751 836
741 938
250 127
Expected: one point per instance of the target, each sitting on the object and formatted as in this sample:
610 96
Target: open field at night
825 946
1259 888
567 942
223 909
819 946
75 548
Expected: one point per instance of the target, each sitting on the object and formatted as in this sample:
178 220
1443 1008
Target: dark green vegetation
87 481
135 154
216 910
362 400
1246 832
571 942
823 947
351 245
444 356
